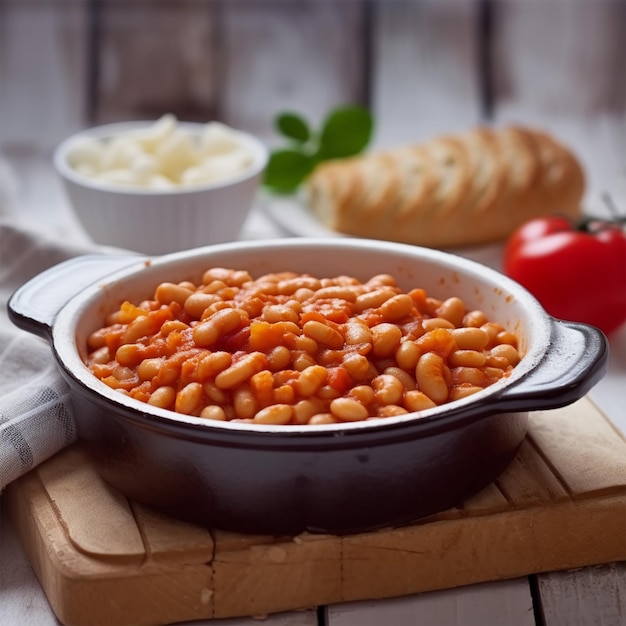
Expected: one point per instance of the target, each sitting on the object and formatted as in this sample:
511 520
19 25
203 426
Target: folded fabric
35 412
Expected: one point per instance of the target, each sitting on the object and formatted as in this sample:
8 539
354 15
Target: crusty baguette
455 190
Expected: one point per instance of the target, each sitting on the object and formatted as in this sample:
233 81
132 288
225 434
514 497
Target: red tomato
577 273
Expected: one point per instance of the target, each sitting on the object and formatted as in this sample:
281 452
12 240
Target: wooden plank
425 76
307 56
591 596
154 58
18 587
43 65
495 604
561 66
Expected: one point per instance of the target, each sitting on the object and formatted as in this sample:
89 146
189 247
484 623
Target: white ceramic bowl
159 221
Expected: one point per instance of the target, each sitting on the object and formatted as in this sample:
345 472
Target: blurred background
422 66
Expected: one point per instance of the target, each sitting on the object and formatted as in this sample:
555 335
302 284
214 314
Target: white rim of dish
59 158
63 333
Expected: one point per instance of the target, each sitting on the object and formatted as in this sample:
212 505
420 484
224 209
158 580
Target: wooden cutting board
103 560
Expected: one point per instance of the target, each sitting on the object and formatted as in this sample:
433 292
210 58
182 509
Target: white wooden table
590 596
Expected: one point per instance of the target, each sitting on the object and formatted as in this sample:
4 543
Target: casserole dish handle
576 361
35 305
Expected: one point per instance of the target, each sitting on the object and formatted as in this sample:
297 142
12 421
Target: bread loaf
451 191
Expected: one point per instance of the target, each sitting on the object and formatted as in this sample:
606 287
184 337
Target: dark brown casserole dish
337 478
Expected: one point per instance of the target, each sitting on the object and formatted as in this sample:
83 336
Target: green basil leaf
293 126
345 132
286 169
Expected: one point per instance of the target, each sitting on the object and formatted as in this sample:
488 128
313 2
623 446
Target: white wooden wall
423 66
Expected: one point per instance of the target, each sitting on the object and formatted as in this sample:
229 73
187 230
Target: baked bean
474 319
348 410
363 393
188 398
407 355
305 344
213 412
328 392
166 293
323 334
173 325
163 397
323 418
213 363
289 286
198 302
209 331
492 331
100 356
280 313
279 358
357 366
284 394
342 292
495 361
385 339
468 338
436 322
241 370
214 393
311 379
506 336
387 389
303 294
453 310
382 279
304 410
462 391
302 360
430 377
466 358
287 348
408 382
275 414
244 403
506 351
130 354
416 400
396 308
439 340
468 375
148 368
142 326
357 331
373 299
390 410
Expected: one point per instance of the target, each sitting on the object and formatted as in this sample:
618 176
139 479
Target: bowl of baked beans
160 186
323 385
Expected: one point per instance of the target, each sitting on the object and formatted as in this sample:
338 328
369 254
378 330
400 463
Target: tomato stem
612 207
591 224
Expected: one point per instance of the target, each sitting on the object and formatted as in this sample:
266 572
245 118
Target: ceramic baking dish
337 478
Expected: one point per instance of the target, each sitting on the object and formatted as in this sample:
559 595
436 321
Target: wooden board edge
79 588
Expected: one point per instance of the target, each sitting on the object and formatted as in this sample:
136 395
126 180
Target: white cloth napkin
35 413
